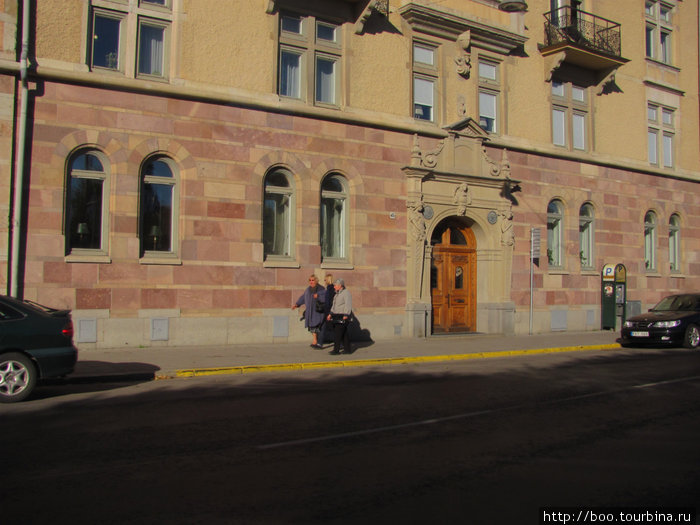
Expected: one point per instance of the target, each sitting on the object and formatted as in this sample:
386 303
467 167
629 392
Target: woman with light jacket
341 313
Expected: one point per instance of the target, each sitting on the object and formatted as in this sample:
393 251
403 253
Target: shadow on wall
361 336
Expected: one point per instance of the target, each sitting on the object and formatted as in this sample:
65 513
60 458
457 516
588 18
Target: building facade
174 170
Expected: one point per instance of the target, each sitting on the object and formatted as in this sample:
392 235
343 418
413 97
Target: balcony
586 40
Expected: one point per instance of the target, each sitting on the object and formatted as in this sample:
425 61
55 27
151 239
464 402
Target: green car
36 342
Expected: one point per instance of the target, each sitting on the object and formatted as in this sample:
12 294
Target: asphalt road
481 441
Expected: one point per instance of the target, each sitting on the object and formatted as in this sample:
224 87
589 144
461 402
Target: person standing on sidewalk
314 299
340 315
327 327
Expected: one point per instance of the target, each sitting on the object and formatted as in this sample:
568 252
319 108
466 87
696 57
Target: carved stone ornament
462 198
378 6
464 60
497 169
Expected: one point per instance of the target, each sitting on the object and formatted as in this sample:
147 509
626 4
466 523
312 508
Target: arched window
159 206
650 241
555 233
334 219
674 242
86 224
278 211
585 230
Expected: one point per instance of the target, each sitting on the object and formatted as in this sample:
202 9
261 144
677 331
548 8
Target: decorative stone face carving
462 198
464 59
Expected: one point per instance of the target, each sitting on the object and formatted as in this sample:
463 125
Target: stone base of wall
579 318
96 329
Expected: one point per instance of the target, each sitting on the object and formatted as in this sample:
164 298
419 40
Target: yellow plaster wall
59 29
229 47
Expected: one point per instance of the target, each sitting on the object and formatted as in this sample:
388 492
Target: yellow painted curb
251 369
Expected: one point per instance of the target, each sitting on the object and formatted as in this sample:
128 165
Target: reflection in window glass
105 44
85 203
650 241
674 243
333 218
277 215
555 233
325 80
151 48
157 207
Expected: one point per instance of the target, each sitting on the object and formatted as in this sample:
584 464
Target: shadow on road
96 376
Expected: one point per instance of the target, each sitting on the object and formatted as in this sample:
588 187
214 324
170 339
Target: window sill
83 256
337 265
280 263
558 270
160 258
662 64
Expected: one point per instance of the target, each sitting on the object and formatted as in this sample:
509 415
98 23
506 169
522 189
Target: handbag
320 307
338 319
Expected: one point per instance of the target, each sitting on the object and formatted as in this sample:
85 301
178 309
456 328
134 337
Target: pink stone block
92 299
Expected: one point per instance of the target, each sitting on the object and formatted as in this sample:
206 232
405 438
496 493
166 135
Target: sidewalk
163 362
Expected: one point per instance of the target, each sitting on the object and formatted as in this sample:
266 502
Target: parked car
674 321
36 342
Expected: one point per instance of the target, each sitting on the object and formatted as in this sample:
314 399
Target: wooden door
453 283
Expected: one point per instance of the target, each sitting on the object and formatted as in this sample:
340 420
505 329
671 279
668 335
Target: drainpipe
16 230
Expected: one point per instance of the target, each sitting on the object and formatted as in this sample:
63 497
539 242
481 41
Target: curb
251 369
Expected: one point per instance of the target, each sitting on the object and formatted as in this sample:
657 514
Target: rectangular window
659 27
151 59
309 59
326 32
570 115
131 37
423 96
660 135
487 111
325 80
668 150
423 55
489 94
579 131
487 70
290 74
559 127
653 145
106 41
425 79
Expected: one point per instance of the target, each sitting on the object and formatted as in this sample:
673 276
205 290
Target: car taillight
68 330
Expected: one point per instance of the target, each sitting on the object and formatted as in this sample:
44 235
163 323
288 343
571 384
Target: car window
7 313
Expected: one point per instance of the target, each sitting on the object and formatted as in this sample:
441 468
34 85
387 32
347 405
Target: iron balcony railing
570 25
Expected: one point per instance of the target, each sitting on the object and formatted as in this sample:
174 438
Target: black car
674 321
36 342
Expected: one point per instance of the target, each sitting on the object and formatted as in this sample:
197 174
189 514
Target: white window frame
489 94
121 44
424 86
132 15
570 116
674 243
148 238
650 235
339 255
164 54
661 135
659 31
555 234
586 235
312 48
289 219
79 253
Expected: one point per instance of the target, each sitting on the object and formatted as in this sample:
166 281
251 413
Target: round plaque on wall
492 217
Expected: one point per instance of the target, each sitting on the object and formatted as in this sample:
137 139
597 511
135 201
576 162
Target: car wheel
17 377
692 336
